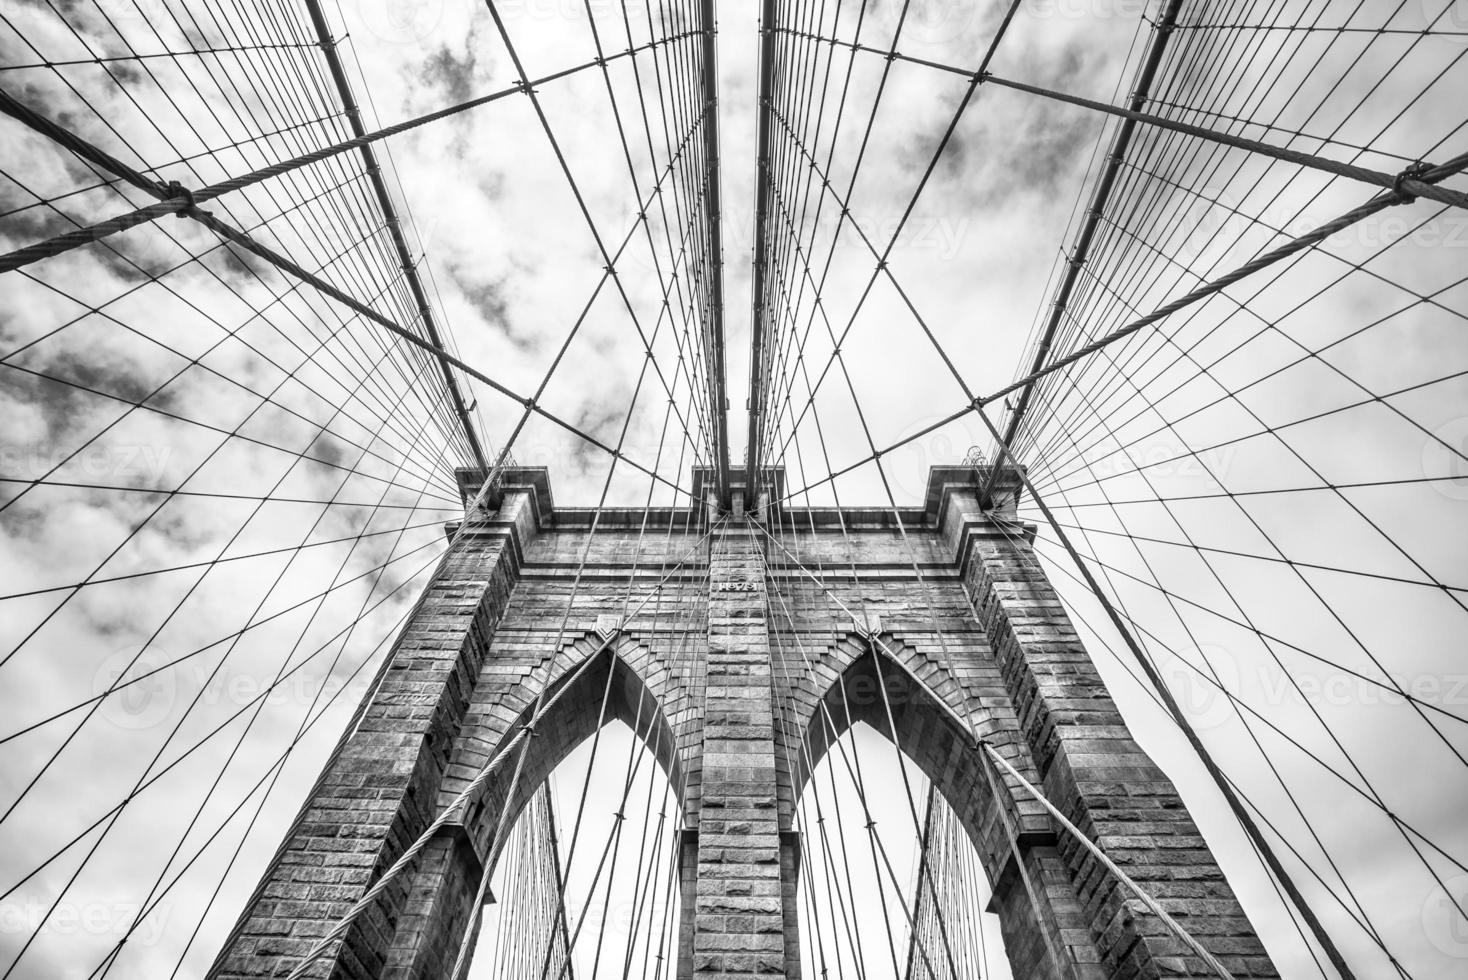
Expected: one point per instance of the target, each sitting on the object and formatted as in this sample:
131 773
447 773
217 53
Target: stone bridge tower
953 617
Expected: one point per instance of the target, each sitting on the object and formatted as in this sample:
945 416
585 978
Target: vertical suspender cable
763 180
1250 827
718 398
394 225
1081 251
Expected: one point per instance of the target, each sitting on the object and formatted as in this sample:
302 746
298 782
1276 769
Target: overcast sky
513 265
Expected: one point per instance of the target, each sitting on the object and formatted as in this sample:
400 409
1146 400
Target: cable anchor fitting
1411 173
175 189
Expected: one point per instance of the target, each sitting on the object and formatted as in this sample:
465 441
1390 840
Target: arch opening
890 884
885 706
586 881
595 688
882 691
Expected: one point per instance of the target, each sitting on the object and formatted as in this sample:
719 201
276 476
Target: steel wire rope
290 653
163 748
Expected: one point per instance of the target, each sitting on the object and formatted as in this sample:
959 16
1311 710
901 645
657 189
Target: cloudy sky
223 489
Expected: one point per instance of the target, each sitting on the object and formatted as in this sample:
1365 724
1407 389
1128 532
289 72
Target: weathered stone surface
744 908
938 630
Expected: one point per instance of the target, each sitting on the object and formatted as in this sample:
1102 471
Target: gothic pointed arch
587 683
590 682
934 714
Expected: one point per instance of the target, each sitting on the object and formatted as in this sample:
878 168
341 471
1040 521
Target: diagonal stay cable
885 253
1245 820
362 309
400 243
197 584
546 704
250 723
529 88
186 200
530 403
1376 204
1409 181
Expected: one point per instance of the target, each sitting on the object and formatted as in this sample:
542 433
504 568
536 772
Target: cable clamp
175 189
1411 173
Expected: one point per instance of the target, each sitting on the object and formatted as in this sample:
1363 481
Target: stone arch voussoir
644 693
639 688
940 713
